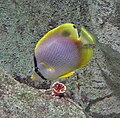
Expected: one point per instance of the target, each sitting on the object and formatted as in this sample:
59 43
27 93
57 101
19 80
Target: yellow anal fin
67 75
45 65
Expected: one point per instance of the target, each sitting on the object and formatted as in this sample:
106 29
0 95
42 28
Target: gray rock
105 17
19 100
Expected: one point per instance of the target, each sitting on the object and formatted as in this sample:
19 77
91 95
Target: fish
61 51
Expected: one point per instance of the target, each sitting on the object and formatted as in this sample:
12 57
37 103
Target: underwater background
95 88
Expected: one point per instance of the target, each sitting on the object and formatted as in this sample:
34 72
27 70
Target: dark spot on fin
66 33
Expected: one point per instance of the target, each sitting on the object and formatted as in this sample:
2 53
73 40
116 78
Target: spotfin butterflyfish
61 51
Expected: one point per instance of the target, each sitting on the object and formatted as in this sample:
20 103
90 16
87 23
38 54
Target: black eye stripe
35 61
37 70
39 73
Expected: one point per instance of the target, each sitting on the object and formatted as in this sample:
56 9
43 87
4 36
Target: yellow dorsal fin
67 75
48 34
63 29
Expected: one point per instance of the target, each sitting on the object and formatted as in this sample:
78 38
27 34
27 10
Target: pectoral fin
47 67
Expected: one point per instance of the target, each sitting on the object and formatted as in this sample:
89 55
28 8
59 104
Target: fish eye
74 26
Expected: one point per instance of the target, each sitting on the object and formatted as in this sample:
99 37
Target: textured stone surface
19 100
96 87
105 15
